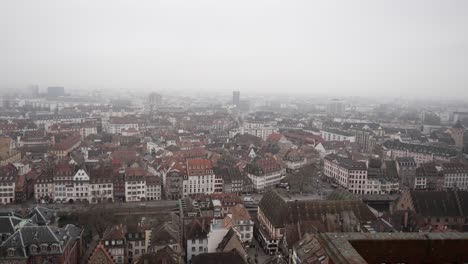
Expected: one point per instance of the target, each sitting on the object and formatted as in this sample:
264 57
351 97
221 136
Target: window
11 252
44 248
137 251
54 248
200 249
193 249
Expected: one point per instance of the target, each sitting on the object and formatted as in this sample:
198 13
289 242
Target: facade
420 153
63 148
243 222
278 220
44 187
294 160
196 238
200 177
337 135
455 176
135 184
347 173
117 125
153 188
265 173
438 208
173 185
115 242
8 179
406 167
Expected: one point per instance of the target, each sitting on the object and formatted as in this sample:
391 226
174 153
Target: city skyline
299 47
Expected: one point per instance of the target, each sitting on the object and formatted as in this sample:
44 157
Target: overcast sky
339 47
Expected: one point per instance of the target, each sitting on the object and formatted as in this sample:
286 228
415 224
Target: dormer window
33 249
44 248
11 252
54 248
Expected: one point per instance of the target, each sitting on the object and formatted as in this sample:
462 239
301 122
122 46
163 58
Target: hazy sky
340 47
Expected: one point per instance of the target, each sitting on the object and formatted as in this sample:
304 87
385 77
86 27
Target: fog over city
365 47
233 132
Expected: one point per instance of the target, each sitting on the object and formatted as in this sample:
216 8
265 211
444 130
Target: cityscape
246 132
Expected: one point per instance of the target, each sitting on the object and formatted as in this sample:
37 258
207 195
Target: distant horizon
346 48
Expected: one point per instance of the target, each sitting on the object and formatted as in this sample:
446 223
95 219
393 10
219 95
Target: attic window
11 252
44 248
33 249
54 248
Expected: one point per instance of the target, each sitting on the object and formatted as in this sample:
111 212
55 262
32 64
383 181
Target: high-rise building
236 98
154 101
336 107
55 91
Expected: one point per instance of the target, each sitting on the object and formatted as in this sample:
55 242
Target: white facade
135 189
334 136
352 179
153 192
43 189
7 190
116 128
217 232
101 192
457 180
260 182
196 247
199 184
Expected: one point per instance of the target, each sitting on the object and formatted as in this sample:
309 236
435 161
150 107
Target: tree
97 219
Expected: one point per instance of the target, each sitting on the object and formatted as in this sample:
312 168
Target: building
366 139
200 177
428 177
153 188
265 173
281 223
243 222
420 153
116 243
117 125
136 242
337 135
232 257
8 179
347 173
455 176
55 91
406 167
154 101
438 208
31 239
236 98
100 255
456 132
196 238
336 107
65 146
294 159
357 248
308 250
135 184
233 180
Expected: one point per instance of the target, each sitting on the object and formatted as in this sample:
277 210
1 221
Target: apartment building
265 173
347 173
200 177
